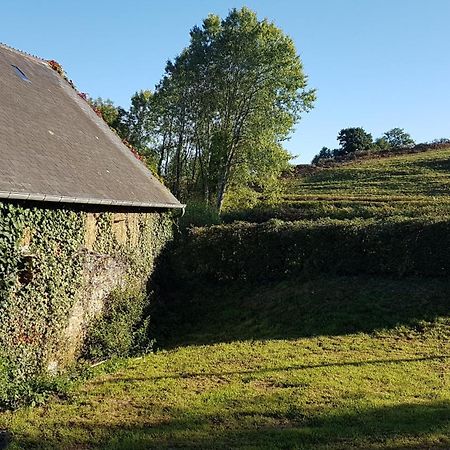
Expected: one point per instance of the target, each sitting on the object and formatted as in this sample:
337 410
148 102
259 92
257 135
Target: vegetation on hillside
356 143
414 186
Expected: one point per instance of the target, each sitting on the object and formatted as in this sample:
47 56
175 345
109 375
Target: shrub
122 330
276 250
198 214
34 390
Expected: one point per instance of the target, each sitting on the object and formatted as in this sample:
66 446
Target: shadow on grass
293 309
269 370
406 426
439 165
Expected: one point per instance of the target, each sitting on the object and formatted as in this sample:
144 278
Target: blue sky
376 64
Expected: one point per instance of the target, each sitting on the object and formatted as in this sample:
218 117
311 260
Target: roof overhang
86 201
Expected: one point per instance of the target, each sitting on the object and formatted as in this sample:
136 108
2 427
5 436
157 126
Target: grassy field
329 362
405 176
414 185
281 367
410 185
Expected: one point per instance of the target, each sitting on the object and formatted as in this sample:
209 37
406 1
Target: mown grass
303 308
324 363
423 174
289 366
356 391
411 186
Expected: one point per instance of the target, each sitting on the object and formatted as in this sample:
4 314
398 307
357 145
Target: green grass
408 185
304 308
356 391
424 174
283 366
411 186
326 363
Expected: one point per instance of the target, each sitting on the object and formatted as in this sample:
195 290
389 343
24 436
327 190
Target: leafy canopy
398 138
352 140
226 104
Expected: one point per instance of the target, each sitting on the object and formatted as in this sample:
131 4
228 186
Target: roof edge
85 200
21 52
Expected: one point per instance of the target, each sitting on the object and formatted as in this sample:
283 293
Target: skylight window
20 74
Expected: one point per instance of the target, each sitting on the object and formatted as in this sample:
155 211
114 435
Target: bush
276 250
34 390
122 330
198 214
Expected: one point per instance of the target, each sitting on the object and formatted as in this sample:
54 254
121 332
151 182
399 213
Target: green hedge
275 250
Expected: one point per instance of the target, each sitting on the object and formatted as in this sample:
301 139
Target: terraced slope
421 175
415 185
404 185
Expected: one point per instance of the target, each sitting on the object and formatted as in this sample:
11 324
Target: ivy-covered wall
58 265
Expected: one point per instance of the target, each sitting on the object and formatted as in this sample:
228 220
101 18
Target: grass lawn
342 388
326 363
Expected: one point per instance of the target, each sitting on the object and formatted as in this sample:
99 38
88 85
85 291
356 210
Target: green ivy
42 251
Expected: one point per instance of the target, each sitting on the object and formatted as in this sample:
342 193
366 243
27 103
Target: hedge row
275 250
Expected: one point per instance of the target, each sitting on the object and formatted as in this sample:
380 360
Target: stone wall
58 266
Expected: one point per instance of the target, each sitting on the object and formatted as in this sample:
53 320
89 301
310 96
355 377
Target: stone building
80 215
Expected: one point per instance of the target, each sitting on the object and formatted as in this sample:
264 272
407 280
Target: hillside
412 185
331 333
419 175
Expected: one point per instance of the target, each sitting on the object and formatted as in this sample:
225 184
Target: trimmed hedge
276 250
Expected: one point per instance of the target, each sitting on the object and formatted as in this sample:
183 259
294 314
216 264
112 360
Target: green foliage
41 272
356 143
106 108
382 144
42 253
353 140
398 138
136 124
226 104
198 214
324 154
36 389
275 250
122 330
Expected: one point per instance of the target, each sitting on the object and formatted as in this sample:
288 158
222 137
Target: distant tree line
356 142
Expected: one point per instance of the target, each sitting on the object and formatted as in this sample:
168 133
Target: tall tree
230 99
324 154
107 109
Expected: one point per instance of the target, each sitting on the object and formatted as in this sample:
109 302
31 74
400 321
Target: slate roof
54 148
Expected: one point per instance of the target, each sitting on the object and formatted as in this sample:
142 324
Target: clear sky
378 64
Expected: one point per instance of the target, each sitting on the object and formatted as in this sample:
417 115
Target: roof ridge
21 52
103 172
58 68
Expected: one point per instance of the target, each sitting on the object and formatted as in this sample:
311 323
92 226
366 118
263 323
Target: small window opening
20 74
26 270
